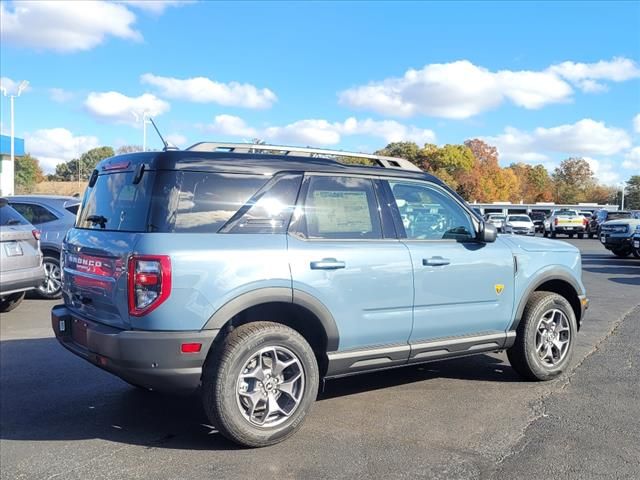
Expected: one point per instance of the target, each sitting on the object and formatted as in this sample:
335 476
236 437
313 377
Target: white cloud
155 7
585 137
232 126
65 26
632 159
319 131
117 108
461 89
176 139
636 123
60 95
604 171
456 90
56 145
205 90
586 75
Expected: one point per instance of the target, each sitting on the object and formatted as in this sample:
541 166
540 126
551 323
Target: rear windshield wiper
97 220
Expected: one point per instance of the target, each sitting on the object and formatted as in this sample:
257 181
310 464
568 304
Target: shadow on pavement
49 395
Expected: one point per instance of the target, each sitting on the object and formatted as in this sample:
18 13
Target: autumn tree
68 171
573 178
632 197
27 172
535 182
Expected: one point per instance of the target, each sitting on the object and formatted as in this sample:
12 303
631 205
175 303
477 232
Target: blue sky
542 81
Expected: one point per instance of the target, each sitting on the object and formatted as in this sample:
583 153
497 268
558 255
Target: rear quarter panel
209 270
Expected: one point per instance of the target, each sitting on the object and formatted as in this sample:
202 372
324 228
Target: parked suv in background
601 216
616 235
53 215
256 276
636 242
20 257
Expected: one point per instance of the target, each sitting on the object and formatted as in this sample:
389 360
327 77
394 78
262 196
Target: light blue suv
252 273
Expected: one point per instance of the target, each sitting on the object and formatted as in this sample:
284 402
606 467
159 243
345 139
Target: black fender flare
277 294
546 276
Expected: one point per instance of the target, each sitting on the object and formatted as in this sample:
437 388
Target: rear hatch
18 245
113 215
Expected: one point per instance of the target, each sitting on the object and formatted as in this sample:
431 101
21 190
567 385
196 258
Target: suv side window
343 208
429 213
35 214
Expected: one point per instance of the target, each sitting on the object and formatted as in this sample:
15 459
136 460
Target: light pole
10 173
623 184
145 122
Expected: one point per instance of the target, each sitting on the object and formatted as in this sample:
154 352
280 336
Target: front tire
51 288
260 384
544 337
11 302
621 253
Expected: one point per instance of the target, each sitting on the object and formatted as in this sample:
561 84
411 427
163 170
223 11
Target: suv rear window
8 216
166 201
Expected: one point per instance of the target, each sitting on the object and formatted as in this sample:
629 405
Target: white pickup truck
565 221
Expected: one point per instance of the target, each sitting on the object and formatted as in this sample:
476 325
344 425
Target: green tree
573 178
407 150
632 196
68 171
27 173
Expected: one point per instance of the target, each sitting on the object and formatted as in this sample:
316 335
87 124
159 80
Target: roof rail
382 161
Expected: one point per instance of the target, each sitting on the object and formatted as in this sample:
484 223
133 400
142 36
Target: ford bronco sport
252 273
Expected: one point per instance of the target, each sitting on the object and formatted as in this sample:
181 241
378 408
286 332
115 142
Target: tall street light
145 122
622 185
10 174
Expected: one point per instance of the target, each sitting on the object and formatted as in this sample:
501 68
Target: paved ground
467 418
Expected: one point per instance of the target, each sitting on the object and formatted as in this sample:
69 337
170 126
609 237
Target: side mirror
488 233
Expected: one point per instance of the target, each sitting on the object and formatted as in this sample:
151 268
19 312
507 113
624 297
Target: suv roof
249 162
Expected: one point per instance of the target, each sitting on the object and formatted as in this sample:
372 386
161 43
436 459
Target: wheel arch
295 309
558 282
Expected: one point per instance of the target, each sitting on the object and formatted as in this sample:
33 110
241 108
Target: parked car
497 220
252 277
519 225
537 218
601 216
564 221
617 236
636 242
20 258
53 215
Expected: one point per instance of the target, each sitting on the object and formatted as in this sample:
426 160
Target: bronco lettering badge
499 288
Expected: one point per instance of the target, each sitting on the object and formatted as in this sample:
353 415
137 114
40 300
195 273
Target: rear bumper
21 280
148 359
569 229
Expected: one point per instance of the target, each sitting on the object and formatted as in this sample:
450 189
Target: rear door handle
327 264
435 261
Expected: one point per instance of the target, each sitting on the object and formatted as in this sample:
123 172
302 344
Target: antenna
167 145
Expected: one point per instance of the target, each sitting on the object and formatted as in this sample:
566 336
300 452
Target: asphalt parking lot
468 418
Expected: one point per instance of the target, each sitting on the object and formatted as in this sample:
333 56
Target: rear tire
590 235
252 400
545 234
581 236
11 302
553 234
544 337
571 235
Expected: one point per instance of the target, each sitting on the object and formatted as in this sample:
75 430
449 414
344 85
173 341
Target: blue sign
5 146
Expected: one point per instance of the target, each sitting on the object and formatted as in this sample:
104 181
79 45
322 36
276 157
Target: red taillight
555 221
36 234
149 282
585 222
190 347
